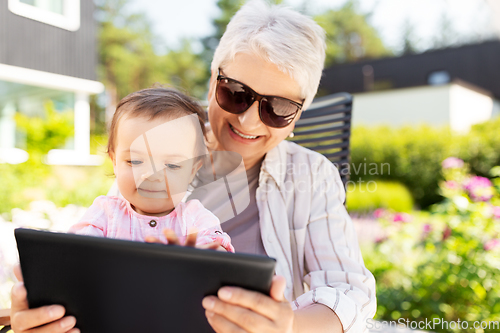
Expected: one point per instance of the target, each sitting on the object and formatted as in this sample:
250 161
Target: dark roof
477 64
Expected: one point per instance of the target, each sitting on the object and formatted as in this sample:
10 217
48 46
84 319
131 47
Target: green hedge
413 155
366 197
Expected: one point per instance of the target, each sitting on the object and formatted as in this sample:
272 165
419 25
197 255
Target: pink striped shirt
113 217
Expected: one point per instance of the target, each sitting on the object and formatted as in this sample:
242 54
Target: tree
446 36
128 61
409 40
349 36
187 70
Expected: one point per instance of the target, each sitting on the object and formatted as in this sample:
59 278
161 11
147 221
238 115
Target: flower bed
443 263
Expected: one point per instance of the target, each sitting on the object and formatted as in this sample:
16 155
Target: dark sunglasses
236 97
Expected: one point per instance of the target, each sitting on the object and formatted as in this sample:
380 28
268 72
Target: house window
55 6
64 14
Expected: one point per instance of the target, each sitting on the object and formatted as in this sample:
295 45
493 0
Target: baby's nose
157 176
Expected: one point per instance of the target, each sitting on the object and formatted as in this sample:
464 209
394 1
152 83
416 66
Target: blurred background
425 140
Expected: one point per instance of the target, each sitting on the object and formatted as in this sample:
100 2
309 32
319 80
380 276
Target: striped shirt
305 226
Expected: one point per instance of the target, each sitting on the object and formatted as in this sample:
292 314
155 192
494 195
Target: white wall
468 107
398 107
451 104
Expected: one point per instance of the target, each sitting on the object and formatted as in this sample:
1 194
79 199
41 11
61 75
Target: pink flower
491 244
479 188
402 217
452 162
451 184
426 230
496 212
380 239
379 213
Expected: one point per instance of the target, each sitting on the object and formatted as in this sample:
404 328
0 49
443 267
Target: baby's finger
209 246
152 239
191 238
171 237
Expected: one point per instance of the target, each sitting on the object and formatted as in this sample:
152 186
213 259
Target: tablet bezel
50 263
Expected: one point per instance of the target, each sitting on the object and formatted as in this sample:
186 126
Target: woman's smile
241 136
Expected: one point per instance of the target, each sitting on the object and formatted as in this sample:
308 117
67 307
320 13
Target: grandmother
265 73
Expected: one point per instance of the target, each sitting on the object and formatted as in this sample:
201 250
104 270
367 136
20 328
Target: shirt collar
274 164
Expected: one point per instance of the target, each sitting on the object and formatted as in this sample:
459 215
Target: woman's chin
247 152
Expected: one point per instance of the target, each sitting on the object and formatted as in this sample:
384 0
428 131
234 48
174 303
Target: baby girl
156 143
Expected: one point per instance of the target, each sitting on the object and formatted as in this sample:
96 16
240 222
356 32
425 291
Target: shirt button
152 223
270 238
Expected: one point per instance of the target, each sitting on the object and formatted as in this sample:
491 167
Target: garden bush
412 155
47 132
443 263
34 180
364 198
29 181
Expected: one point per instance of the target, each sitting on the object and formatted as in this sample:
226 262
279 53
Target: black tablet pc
117 286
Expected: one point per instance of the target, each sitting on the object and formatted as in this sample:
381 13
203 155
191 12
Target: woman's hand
190 240
240 310
40 320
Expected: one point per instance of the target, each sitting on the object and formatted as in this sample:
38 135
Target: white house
455 86
457 104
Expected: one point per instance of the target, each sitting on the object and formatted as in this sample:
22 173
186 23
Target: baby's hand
190 241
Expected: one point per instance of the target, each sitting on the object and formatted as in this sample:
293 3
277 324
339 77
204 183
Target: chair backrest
325 127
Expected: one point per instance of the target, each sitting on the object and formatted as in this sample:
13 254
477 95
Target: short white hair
280 35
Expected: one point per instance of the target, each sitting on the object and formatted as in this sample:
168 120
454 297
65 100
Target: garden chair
324 127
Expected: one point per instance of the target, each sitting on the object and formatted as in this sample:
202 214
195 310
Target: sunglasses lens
233 96
276 112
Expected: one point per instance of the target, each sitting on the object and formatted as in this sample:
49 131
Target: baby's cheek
178 181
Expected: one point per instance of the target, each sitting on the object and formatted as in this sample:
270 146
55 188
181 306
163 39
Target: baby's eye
173 166
134 162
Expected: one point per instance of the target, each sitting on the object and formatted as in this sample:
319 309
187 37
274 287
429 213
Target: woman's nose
250 119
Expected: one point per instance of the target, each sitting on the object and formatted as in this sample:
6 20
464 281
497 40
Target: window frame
70 20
